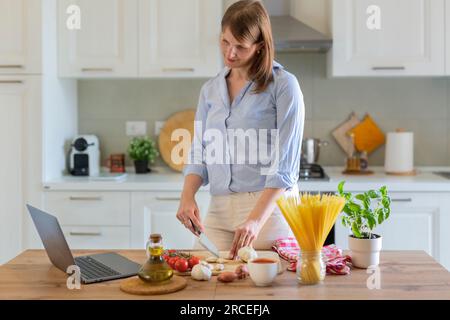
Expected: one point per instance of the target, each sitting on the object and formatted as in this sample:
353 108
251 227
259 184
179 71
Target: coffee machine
84 156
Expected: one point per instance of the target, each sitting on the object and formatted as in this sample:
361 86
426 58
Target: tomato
193 261
181 265
172 262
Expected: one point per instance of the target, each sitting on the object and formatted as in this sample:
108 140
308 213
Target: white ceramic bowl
262 274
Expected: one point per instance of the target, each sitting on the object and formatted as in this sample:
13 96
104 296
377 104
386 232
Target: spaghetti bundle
311 218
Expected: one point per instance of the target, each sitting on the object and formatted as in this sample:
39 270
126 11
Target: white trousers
227 212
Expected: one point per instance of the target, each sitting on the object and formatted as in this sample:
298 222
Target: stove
312 172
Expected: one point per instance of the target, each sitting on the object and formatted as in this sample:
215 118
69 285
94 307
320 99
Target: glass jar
311 267
156 268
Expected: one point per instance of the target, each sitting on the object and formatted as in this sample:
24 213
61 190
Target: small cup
263 271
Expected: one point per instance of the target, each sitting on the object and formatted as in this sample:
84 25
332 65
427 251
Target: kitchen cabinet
119 219
104 45
93 220
19 104
408 42
20 40
418 221
179 38
155 212
139 38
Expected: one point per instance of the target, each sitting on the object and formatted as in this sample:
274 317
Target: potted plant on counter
362 213
143 151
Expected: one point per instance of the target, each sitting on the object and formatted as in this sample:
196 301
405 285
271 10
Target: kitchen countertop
164 179
404 275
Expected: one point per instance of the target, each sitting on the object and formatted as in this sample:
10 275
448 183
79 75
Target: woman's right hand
189 213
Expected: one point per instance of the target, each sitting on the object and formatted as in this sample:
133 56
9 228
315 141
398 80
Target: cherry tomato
181 265
193 261
172 262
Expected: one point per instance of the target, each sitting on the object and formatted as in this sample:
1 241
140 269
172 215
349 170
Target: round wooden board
137 286
410 173
358 173
179 120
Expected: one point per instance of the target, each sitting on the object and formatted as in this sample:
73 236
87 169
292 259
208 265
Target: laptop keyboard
92 269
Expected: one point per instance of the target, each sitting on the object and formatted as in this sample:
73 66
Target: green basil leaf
341 187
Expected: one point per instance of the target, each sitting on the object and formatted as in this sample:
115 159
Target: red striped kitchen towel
336 263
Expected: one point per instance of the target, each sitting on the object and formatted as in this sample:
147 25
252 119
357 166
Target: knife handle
197 230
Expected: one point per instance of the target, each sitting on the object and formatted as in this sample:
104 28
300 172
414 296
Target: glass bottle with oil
156 269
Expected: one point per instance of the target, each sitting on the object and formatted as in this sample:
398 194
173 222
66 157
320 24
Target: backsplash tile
417 104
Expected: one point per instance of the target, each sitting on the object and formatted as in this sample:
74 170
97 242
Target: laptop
93 268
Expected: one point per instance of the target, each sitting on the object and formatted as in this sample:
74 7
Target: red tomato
172 262
181 265
193 261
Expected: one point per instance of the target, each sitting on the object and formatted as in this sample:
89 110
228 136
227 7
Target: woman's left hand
244 236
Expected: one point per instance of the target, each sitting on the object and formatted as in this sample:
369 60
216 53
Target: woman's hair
249 20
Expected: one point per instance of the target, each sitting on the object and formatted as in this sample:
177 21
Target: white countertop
164 179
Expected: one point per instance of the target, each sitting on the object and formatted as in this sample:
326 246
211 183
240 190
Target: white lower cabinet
418 221
155 212
100 237
120 220
92 220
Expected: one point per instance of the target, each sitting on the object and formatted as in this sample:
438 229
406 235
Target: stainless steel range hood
292 35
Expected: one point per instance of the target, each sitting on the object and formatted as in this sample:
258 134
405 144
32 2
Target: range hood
292 35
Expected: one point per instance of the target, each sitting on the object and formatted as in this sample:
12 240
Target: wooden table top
404 275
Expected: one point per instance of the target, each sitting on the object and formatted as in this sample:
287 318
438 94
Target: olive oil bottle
156 269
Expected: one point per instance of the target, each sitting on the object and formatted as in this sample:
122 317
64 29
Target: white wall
58 120
59 100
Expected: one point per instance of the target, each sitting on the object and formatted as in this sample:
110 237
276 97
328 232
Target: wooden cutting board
179 120
231 265
137 286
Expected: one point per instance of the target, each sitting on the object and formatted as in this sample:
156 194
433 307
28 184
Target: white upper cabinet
97 38
387 38
20 39
179 38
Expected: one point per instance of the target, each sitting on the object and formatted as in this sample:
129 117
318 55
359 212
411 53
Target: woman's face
236 54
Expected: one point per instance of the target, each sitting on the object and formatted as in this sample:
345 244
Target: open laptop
94 268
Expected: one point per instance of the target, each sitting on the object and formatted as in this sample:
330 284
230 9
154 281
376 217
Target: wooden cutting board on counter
137 286
179 120
231 265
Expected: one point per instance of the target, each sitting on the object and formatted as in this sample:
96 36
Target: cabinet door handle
81 233
97 69
168 198
11 82
178 69
389 68
88 198
401 200
11 66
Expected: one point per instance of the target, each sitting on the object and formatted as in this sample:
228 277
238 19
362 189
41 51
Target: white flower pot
365 252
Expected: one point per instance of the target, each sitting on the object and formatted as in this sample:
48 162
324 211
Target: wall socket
158 127
136 128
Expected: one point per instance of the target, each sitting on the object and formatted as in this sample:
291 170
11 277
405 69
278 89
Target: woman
252 92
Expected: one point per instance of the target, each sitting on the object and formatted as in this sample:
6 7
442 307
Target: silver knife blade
205 242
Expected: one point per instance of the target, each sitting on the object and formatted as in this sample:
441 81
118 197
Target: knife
205 242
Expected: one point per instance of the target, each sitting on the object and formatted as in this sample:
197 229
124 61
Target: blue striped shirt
280 106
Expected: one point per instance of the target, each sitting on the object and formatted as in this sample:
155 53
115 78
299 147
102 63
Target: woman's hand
244 236
189 213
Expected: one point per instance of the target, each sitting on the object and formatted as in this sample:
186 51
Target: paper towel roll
399 156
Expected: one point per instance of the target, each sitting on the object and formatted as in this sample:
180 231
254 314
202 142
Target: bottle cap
155 237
